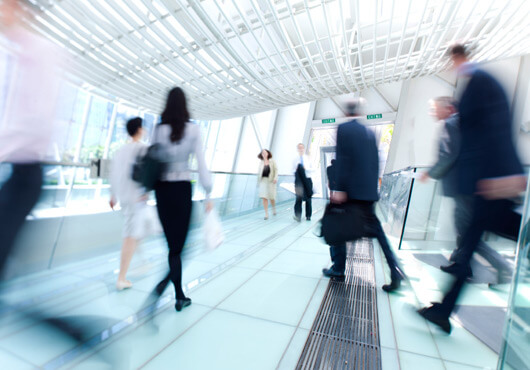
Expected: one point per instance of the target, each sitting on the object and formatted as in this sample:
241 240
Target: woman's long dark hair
176 113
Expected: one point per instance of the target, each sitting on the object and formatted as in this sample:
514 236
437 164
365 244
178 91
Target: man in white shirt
303 184
131 196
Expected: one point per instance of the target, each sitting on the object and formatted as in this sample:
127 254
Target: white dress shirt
305 162
122 186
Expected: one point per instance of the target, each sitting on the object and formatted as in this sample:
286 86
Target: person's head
9 10
265 154
134 128
176 113
355 107
442 107
333 161
458 54
301 148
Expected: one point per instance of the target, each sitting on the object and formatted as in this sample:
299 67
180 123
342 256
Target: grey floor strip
345 333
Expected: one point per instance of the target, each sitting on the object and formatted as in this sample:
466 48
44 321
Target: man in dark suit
356 179
488 169
444 109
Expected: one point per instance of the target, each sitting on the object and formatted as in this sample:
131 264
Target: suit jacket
448 150
357 162
273 175
303 185
487 149
332 176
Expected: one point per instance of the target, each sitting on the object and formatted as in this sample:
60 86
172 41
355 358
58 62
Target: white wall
415 134
291 124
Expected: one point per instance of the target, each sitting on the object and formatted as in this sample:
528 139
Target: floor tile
146 341
282 242
300 264
463 347
310 245
260 258
294 350
9 361
412 332
314 304
412 361
389 359
214 291
223 340
277 297
456 366
223 253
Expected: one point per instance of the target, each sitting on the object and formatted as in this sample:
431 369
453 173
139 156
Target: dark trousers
298 207
487 215
18 196
463 213
173 202
373 228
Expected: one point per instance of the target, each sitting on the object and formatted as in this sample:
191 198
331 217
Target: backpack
148 168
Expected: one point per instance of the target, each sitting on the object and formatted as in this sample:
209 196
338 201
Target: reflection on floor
254 301
411 343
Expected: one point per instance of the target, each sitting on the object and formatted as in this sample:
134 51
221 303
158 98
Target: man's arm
448 151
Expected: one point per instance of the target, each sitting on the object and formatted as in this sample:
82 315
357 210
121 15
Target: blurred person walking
488 170
267 180
131 195
444 110
355 182
179 140
302 183
29 124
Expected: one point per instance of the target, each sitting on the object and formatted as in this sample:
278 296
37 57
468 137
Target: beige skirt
267 189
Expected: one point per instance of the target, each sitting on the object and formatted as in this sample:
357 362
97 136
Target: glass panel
247 158
97 129
120 135
225 150
264 126
514 353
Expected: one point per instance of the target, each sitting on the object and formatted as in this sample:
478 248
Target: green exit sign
374 116
329 120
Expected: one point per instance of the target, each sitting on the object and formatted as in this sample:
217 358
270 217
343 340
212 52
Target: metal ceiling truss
239 57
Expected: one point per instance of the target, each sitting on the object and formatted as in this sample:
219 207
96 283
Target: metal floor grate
345 334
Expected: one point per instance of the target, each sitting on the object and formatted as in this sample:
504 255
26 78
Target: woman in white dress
267 180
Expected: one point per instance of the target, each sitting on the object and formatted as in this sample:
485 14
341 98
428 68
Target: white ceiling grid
238 57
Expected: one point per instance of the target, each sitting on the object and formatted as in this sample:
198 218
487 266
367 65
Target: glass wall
514 353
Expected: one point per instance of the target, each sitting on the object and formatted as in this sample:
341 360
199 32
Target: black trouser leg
308 208
174 209
375 229
338 257
298 207
18 196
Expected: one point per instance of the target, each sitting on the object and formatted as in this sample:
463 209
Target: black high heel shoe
181 303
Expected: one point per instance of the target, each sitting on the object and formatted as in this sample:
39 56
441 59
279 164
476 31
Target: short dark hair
458 50
260 156
134 125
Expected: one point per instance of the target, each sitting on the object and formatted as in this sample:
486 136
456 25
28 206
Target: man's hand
338 197
208 206
275 181
112 202
501 188
424 177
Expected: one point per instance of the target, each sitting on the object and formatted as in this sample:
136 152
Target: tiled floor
254 302
421 345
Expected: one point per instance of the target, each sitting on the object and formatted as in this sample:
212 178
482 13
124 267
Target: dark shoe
431 314
330 273
458 270
297 218
308 218
394 285
181 303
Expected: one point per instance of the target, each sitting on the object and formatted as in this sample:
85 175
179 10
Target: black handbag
148 168
342 223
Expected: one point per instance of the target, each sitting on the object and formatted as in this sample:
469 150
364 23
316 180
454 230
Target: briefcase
342 223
